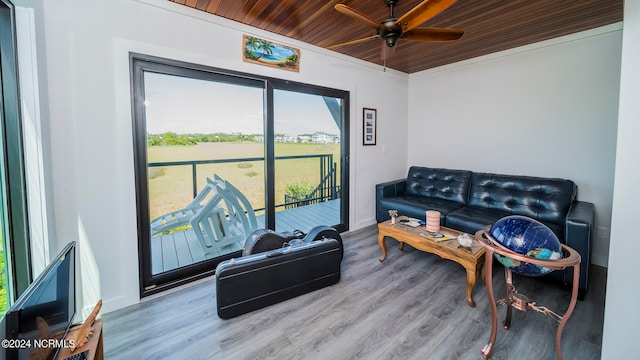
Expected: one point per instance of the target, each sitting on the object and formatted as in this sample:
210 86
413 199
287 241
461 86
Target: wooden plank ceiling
489 25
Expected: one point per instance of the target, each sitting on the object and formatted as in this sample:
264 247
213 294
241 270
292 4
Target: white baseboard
362 224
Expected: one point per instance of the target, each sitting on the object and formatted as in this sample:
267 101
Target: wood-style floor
411 306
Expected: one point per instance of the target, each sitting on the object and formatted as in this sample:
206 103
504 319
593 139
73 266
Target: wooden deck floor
306 217
182 248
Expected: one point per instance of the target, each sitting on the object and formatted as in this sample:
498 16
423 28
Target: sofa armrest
578 231
388 189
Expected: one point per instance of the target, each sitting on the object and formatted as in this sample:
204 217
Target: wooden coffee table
471 259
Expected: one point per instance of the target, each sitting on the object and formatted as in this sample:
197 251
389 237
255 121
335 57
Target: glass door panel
4 266
307 150
202 135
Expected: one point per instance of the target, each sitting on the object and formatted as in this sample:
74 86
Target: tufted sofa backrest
438 183
544 199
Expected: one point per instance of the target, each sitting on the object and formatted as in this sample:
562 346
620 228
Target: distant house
324 138
320 138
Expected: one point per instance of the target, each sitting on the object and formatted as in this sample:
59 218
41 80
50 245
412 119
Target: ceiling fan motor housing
392 33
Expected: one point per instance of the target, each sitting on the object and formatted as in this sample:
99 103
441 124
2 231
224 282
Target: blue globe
529 237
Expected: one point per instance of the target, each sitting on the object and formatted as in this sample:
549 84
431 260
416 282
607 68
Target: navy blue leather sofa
469 201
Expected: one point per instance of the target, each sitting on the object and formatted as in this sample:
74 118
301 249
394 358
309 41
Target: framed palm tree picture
265 52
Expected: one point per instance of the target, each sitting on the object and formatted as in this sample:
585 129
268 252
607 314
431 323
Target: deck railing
327 189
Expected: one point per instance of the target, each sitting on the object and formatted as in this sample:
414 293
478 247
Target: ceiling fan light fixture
391 40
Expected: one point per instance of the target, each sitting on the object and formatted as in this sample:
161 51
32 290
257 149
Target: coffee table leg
382 245
471 282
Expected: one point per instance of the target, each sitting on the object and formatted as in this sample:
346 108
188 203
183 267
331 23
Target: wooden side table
520 301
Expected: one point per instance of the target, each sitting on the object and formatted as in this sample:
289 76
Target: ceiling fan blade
358 16
433 34
422 12
352 42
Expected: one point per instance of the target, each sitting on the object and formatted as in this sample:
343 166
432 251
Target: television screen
37 322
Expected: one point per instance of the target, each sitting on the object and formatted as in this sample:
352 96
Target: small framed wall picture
369 118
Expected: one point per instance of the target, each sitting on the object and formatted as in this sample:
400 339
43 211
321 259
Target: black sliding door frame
139 64
15 215
277 84
269 157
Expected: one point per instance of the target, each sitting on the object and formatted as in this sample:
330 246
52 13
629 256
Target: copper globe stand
520 301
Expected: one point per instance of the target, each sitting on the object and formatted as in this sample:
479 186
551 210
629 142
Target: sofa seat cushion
416 206
470 220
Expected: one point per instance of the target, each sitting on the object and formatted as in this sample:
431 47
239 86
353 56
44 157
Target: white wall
548 109
86 50
621 319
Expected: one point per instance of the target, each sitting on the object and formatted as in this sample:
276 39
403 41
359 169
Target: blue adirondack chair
225 218
183 216
227 221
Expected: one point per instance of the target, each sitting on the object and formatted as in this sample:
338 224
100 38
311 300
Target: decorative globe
529 237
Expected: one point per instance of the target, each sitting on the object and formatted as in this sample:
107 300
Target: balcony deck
179 249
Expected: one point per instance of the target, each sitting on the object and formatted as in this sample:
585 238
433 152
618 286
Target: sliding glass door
220 154
199 130
307 147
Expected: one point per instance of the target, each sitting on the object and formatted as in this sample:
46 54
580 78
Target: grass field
4 303
170 187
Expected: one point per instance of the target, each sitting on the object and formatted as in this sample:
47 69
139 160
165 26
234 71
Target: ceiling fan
405 27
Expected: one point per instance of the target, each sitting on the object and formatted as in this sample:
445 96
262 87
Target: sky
184 105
